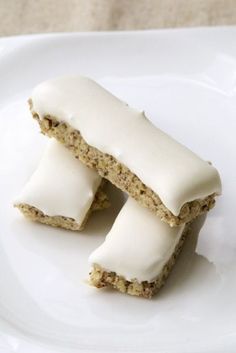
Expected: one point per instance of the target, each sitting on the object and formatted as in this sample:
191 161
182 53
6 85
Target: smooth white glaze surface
138 245
61 185
171 170
46 305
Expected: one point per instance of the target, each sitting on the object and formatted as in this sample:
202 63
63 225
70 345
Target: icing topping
171 170
138 245
61 185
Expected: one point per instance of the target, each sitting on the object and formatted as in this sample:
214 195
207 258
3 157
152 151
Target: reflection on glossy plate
185 80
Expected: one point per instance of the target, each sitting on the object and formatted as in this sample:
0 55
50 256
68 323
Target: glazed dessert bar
62 191
138 252
122 145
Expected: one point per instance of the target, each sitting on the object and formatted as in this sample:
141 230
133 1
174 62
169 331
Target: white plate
186 82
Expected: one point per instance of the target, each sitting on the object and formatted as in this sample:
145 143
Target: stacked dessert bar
168 186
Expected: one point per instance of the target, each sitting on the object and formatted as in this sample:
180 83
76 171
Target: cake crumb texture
100 278
34 214
118 174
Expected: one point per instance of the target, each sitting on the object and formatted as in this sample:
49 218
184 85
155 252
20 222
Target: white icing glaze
171 170
61 185
138 245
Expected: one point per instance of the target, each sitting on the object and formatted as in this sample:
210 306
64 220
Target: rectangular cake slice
62 191
122 145
138 252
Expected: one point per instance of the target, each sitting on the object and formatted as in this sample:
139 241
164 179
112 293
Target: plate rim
16 42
